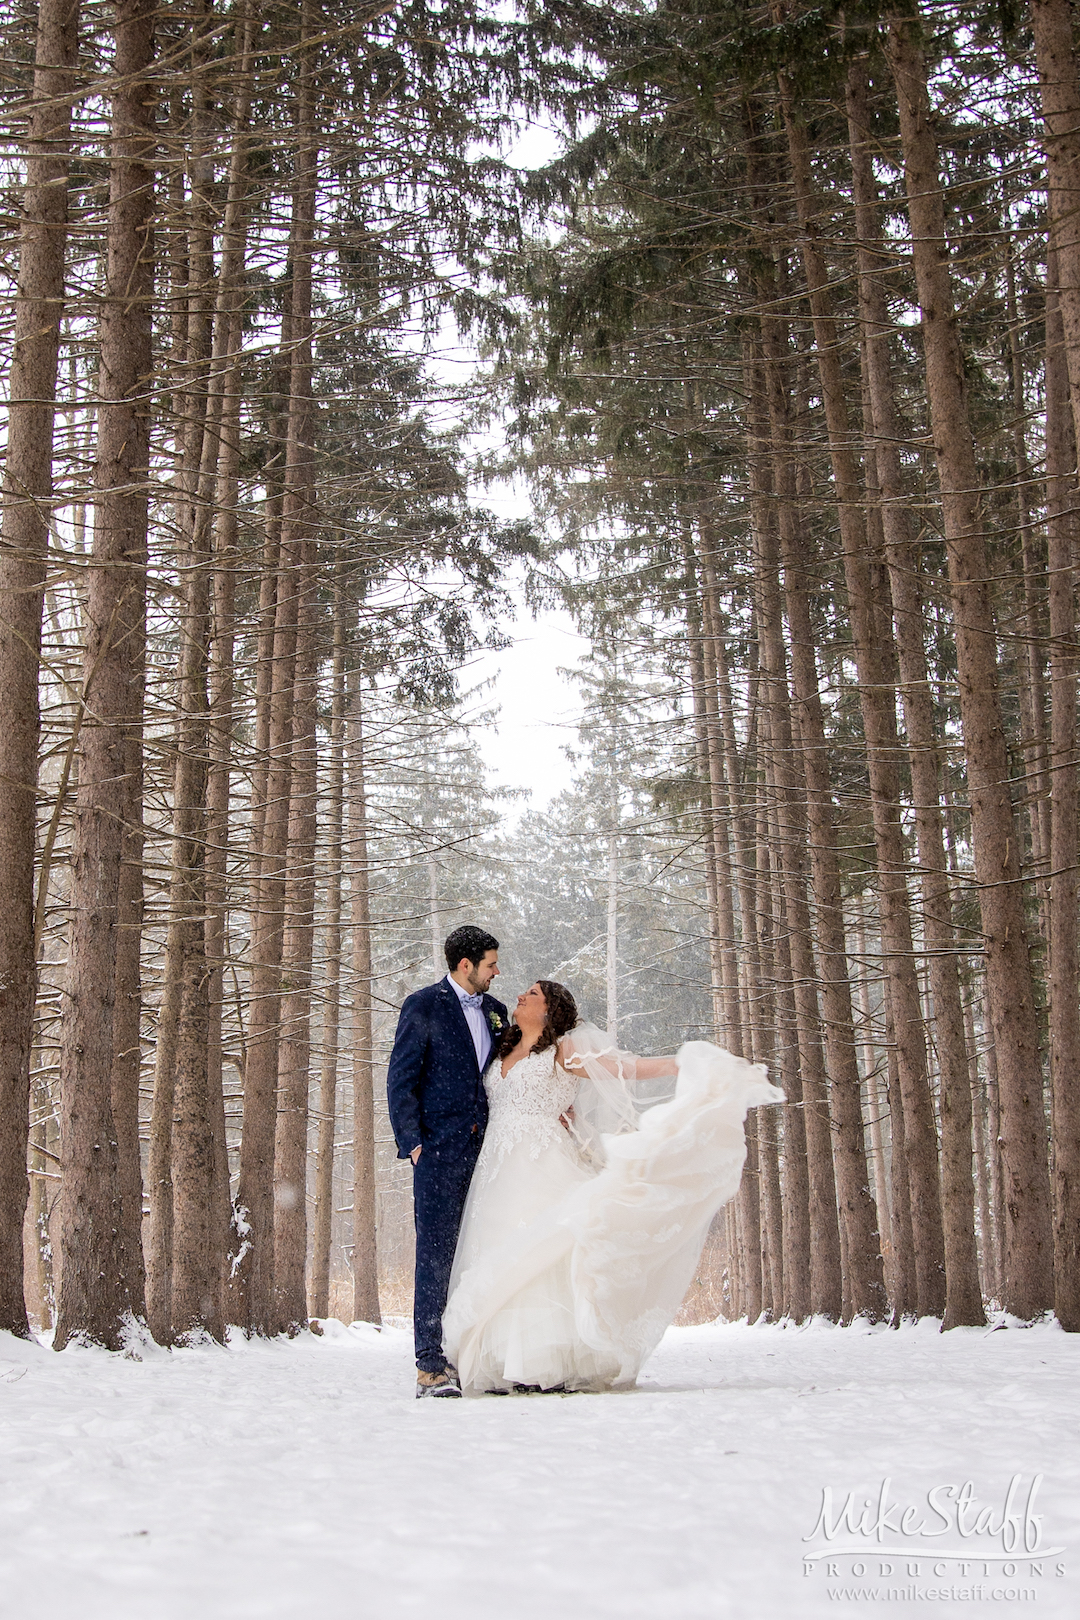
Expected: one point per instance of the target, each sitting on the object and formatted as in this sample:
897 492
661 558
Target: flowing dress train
571 1263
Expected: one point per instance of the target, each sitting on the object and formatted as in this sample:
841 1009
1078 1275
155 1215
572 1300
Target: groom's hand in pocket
415 1154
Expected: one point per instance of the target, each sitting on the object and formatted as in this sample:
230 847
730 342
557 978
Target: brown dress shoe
441 1384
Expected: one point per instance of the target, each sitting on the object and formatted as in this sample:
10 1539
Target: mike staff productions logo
949 1544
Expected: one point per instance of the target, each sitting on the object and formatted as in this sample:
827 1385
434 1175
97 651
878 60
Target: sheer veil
612 1093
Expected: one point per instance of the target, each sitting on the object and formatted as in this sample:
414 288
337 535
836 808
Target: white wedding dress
576 1248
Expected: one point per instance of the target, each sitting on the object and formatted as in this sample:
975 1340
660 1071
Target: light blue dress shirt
479 1028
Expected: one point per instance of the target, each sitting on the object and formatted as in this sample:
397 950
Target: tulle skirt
567 1275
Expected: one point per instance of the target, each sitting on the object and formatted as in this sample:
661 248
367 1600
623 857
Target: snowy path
302 1479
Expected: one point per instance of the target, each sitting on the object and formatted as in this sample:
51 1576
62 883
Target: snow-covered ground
302 1479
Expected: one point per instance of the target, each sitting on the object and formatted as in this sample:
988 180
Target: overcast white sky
539 707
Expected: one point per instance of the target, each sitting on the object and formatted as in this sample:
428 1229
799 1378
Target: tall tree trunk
298 521
748 946
612 941
1029 1269
41 1155
763 900
701 749
227 383
904 1300
731 1245
218 796
251 1282
825 1274
1062 528
874 1104
290 1150
96 1294
725 1003
1031 682
794 1175
723 946
365 1250
862 576
772 1218
194 1305
727 1013
856 1208
159 1182
127 1012
990 1268
1052 22
335 797
963 1301
770 1195
252 1265
27 494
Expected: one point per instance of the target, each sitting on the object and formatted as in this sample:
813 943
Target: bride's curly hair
562 1015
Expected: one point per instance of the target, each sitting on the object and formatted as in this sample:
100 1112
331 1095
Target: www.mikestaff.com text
932 1594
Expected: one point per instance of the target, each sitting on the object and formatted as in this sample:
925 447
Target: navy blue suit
438 1103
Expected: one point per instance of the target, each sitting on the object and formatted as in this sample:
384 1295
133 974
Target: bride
599 1175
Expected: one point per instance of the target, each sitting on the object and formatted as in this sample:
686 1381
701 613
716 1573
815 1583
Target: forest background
781 350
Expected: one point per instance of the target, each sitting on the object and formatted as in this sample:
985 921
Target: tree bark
96 1276
725 981
794 1175
904 1299
963 1301
365 1252
825 1274
701 748
335 796
1029 1270
227 383
252 1266
855 1205
1052 22
251 1273
723 946
877 705
874 1105
990 1268
191 1305
27 494
290 1146
298 519
1031 681
763 901
127 1012
1062 532
770 1195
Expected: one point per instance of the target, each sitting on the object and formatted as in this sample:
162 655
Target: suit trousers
440 1186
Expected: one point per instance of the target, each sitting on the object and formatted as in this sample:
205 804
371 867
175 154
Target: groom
438 1110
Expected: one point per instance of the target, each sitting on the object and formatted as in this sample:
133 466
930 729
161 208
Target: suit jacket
433 1085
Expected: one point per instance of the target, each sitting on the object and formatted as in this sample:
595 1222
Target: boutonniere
496 1023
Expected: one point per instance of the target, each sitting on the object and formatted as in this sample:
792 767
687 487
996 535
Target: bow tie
472 1001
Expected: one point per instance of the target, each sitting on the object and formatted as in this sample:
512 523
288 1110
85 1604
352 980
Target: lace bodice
527 1104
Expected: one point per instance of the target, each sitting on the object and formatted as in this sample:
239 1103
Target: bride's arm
655 1068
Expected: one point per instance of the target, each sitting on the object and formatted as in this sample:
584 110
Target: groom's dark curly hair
562 1015
468 942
